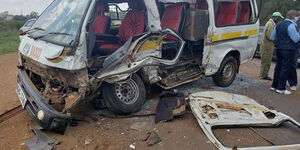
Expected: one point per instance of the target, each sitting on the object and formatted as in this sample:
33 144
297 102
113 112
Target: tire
257 52
125 97
227 72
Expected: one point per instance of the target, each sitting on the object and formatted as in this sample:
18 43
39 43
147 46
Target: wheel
227 72
125 97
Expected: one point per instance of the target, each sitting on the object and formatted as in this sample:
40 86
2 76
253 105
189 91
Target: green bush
9 36
271 6
11 25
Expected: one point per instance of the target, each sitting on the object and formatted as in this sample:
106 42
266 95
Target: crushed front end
48 93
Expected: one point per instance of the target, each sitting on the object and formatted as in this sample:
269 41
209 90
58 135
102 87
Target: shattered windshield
61 21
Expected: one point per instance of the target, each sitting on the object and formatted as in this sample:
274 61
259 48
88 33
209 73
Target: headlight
40 115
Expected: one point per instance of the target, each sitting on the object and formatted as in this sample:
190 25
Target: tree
33 14
19 17
271 6
4 15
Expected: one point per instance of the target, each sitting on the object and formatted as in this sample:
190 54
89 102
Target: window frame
118 11
252 18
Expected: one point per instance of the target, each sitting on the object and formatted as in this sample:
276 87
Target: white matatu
110 49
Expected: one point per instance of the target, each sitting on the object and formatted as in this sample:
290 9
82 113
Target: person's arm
273 35
293 33
268 31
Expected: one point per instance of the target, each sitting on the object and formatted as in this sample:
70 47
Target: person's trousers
266 54
284 66
293 79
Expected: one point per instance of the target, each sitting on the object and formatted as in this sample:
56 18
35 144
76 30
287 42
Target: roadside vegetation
9 35
282 6
9 30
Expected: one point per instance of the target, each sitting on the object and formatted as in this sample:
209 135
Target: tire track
11 113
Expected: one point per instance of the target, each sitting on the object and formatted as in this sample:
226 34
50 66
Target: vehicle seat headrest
102 7
136 5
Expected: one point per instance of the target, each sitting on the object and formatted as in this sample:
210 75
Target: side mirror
21 33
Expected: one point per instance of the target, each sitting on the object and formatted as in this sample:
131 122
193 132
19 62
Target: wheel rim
228 71
127 92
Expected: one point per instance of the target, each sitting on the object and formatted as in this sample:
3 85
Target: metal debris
139 126
41 141
152 138
88 141
169 106
132 146
216 109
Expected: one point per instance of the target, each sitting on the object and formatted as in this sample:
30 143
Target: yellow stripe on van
151 45
215 37
251 32
231 35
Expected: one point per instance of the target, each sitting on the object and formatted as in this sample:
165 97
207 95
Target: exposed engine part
70 99
55 93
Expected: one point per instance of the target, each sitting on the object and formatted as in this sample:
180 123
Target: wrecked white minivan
80 50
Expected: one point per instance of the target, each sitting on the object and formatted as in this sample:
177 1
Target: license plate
21 95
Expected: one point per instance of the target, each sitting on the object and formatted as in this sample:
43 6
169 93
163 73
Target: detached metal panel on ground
219 109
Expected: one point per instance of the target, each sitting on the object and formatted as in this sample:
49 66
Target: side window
229 13
117 12
202 5
245 12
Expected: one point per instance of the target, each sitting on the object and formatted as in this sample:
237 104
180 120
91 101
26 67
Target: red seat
227 13
173 18
101 23
133 24
245 12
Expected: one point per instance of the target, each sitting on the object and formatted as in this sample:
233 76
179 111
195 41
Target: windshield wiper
36 28
59 33
51 33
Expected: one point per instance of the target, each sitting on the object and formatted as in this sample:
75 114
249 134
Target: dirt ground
8 63
182 133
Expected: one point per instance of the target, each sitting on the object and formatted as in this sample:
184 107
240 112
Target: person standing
267 46
293 79
287 42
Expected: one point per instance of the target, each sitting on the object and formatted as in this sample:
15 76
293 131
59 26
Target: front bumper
51 120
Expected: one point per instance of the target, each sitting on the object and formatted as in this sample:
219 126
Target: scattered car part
214 109
170 106
152 138
41 141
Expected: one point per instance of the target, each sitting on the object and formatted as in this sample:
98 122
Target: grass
9 36
9 41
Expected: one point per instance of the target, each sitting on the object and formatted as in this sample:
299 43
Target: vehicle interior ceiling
116 21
